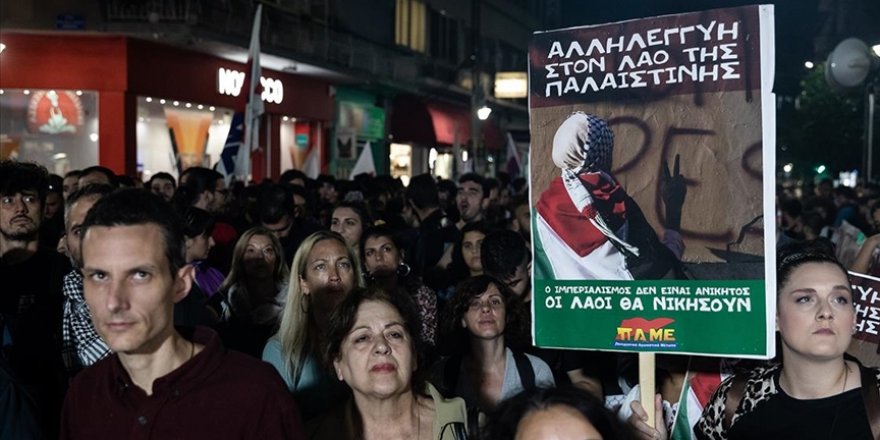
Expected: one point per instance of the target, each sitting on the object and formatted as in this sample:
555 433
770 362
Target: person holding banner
589 226
815 393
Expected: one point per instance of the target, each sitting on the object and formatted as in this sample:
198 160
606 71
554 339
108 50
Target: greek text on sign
230 82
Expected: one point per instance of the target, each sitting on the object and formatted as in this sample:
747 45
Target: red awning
431 124
451 124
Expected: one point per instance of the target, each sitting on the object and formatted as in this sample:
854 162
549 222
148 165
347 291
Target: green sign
690 316
367 122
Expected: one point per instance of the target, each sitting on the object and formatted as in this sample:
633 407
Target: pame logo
642 330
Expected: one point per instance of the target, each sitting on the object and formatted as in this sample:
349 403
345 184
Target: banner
865 344
651 172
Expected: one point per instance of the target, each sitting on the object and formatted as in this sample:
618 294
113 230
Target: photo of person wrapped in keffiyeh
588 226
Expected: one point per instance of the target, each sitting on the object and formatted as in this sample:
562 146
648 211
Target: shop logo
54 112
230 82
640 330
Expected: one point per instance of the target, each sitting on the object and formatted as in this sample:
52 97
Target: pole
869 131
476 86
647 384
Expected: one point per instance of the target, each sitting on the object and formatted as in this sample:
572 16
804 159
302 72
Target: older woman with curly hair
324 272
373 345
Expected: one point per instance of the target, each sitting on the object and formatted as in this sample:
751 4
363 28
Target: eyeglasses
493 303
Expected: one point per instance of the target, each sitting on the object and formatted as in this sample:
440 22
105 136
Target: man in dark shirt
30 297
161 382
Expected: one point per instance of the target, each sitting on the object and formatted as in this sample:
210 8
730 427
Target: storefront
71 100
434 137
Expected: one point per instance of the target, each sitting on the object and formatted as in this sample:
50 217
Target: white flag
312 165
365 163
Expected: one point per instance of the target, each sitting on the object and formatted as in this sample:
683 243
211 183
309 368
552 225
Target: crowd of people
361 309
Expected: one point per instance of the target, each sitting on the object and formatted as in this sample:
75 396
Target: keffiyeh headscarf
582 148
583 143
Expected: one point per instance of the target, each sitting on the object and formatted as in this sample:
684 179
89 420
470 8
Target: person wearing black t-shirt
815 393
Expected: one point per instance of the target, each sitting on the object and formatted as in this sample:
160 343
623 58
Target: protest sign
865 344
651 171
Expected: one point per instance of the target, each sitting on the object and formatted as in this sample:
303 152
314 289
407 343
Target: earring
304 305
403 270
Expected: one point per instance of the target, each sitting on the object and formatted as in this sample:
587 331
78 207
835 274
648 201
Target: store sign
511 85
230 82
54 112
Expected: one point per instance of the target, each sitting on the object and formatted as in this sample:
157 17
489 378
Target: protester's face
523 219
470 251
470 201
220 193
70 184
381 256
815 316
348 224
329 275
129 287
521 281
557 422
376 357
494 197
162 187
54 202
73 228
94 177
259 257
281 228
328 192
20 215
299 206
486 314
198 247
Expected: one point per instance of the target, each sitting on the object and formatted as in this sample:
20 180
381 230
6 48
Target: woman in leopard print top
814 393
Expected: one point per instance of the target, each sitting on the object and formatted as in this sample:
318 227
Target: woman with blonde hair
324 271
252 295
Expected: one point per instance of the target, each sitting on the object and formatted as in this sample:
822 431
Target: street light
820 169
809 64
788 167
483 113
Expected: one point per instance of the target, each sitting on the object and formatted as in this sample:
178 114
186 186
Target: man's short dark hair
476 178
95 189
422 191
111 176
56 184
16 177
289 175
199 179
135 206
275 201
502 252
327 178
73 173
164 176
